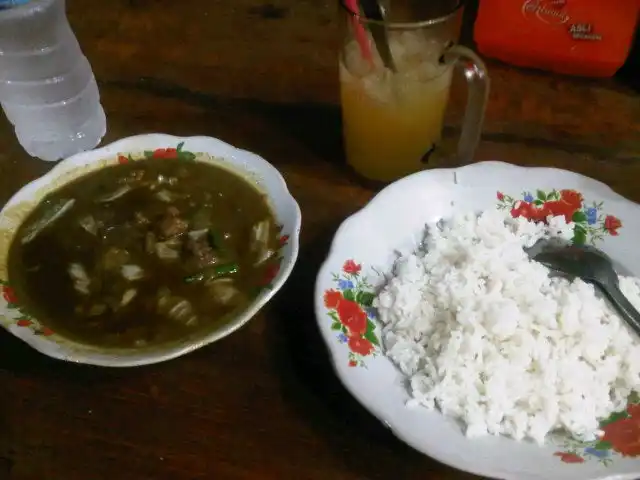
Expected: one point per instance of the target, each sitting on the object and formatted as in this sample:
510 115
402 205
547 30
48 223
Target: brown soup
144 253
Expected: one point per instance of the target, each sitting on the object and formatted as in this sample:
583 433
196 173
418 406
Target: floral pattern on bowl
153 146
374 235
20 318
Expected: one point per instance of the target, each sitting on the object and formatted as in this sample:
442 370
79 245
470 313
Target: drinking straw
359 31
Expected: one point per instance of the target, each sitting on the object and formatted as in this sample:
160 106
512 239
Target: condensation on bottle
47 88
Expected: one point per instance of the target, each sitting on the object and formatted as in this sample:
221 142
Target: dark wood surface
263 403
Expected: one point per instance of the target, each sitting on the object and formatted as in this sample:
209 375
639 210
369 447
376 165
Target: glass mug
392 113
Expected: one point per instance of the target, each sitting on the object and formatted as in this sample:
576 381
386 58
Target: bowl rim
134 144
449 174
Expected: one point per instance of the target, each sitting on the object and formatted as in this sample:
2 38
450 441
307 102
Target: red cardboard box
576 37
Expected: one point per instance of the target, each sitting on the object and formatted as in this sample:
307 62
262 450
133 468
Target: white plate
156 146
363 249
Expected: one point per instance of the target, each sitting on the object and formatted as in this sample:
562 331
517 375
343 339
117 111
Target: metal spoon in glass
591 265
375 10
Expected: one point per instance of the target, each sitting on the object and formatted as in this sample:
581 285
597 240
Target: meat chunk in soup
172 224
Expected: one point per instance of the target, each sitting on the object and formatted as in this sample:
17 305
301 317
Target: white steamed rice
485 335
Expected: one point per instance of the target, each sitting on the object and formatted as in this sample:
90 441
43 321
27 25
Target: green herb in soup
144 253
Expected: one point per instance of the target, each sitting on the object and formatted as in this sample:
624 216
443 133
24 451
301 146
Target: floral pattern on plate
591 223
621 436
350 308
622 429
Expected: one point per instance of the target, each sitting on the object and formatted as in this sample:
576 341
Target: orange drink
392 120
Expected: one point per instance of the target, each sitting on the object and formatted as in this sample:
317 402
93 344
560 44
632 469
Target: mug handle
475 73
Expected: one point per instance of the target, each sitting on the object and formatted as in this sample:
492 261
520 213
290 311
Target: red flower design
500 196
612 224
351 267
332 298
283 240
353 363
352 317
122 159
527 210
165 153
9 295
24 322
520 209
270 273
624 434
539 213
360 345
567 457
47 332
572 197
634 410
560 207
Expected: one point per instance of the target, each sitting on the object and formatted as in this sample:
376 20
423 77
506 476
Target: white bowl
363 250
205 149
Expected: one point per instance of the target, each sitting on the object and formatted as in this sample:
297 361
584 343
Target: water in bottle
47 88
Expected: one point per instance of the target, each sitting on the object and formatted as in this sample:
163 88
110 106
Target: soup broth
144 253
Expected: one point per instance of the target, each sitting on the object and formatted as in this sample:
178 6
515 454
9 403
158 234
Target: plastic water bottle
47 88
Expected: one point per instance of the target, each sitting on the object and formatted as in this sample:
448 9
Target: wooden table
264 403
